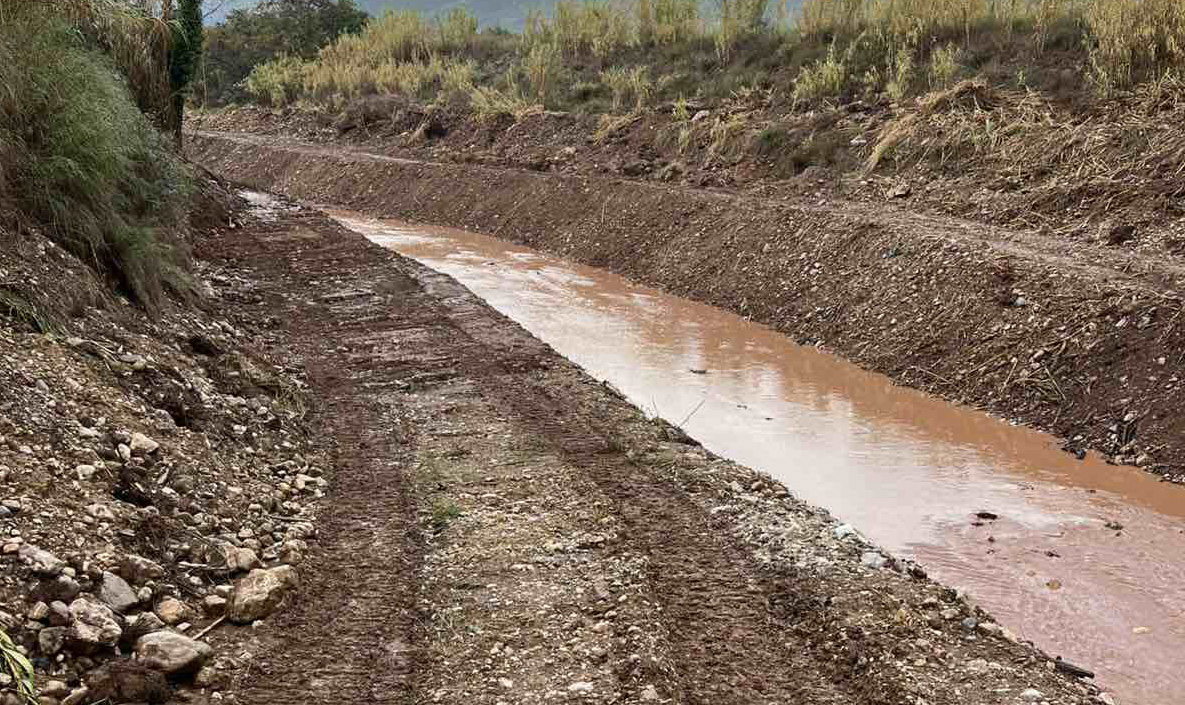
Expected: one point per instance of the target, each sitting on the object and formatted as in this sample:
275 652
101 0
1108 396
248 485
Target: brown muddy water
909 471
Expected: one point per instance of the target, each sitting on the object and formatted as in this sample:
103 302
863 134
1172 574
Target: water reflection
908 470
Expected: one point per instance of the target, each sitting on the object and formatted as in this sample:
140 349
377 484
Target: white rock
40 561
260 592
101 512
143 445
171 652
872 559
93 623
240 560
138 569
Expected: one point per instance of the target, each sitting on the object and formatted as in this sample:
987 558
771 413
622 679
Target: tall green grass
78 158
830 50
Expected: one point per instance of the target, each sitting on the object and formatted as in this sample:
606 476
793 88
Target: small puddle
910 471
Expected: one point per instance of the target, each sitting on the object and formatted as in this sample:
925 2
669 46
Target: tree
184 53
254 36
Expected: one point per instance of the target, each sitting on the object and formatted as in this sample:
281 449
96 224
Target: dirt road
502 528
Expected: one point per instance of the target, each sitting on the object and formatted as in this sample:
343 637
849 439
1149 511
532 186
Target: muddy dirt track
1083 340
502 528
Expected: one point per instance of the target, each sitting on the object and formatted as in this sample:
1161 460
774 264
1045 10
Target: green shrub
79 159
630 87
824 79
278 82
272 28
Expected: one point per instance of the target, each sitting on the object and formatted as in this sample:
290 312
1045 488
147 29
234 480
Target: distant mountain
490 13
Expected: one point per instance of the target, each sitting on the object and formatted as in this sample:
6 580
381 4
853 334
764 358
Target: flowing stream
909 471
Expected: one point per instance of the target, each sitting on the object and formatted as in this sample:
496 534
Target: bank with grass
123 378
600 58
982 200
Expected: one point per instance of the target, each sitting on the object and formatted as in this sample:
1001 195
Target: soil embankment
1074 338
150 467
502 528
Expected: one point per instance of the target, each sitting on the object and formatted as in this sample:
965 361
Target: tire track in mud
393 352
732 636
353 635
350 636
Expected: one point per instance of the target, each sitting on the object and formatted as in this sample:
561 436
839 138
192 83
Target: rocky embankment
157 480
1082 339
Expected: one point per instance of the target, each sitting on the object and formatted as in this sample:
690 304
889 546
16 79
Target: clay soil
1081 337
500 528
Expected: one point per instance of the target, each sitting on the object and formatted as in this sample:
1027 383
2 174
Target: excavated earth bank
501 528
1072 339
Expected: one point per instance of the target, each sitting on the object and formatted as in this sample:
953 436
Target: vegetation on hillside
252 36
80 158
600 57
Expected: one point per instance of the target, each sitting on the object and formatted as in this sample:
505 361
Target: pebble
100 512
170 652
139 570
62 588
172 611
93 623
59 614
843 531
51 640
260 592
142 445
42 562
872 559
977 665
116 593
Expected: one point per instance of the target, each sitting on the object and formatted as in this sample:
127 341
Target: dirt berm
1076 338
